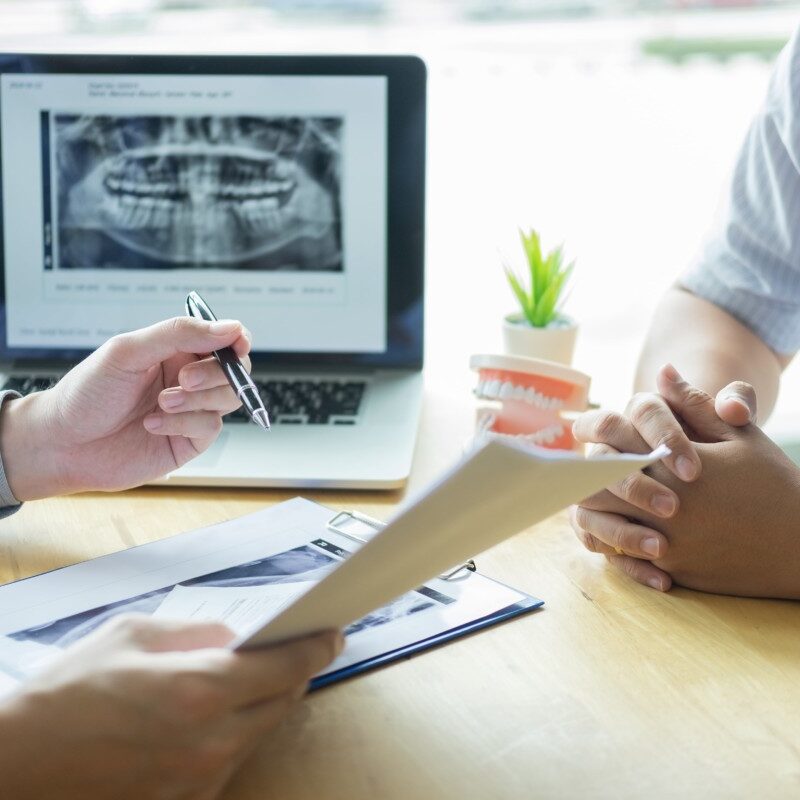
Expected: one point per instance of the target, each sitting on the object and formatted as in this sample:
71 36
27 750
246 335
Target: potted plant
539 329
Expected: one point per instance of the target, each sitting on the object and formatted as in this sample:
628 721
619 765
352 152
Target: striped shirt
750 265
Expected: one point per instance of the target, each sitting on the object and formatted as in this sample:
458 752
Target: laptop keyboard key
308 402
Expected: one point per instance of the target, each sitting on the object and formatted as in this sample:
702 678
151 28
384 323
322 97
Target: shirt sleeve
8 503
750 265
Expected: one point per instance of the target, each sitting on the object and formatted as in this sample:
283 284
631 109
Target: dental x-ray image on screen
166 192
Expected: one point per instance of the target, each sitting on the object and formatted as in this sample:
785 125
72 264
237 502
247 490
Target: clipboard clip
337 522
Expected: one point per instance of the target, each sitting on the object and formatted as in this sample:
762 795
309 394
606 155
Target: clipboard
337 524
297 539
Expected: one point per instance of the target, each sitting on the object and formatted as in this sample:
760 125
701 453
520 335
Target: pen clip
198 308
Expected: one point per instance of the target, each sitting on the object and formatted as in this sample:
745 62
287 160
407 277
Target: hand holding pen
238 377
139 407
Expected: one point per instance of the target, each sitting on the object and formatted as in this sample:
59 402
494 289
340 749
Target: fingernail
153 423
741 401
671 374
663 505
172 399
223 326
650 545
686 468
191 378
655 583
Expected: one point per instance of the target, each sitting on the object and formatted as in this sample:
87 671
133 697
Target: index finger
657 425
138 350
609 428
254 676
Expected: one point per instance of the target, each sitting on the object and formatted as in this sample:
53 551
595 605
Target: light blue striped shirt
750 266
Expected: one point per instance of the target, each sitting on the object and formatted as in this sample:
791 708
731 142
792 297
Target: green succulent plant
548 277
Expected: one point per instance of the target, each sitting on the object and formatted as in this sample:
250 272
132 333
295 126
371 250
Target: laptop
287 190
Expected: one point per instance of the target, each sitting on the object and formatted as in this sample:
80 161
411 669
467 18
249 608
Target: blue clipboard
524 606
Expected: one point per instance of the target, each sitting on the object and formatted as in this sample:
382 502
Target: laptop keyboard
309 402
289 402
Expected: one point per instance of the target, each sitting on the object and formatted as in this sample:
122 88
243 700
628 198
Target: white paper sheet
240 608
496 491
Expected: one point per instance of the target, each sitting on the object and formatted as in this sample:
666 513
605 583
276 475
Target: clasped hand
719 514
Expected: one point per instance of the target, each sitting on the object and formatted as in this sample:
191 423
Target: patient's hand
734 529
650 421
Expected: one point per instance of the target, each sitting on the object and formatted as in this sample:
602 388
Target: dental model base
527 397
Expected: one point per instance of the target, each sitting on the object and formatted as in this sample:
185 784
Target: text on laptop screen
267 194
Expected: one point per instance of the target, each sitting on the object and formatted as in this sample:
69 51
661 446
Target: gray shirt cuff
8 503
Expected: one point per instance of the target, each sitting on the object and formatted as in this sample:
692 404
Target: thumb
155 635
736 404
694 406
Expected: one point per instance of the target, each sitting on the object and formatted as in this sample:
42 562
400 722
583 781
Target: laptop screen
267 193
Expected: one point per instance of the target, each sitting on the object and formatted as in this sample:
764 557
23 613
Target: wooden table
611 691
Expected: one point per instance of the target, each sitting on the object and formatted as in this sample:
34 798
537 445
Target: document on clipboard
297 567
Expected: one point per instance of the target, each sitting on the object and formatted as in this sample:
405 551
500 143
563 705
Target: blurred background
610 125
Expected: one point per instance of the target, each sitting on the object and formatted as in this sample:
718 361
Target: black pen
238 377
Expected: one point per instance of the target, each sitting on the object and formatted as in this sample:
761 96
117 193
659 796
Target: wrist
29 455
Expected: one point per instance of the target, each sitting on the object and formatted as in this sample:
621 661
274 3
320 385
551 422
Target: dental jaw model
527 397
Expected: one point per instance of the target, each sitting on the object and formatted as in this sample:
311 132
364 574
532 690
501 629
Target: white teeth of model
519 393
546 435
493 389
486 423
506 390
530 396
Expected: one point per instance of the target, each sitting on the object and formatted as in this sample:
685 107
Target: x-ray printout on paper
237 570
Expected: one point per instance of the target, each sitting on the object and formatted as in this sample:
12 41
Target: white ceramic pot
556 342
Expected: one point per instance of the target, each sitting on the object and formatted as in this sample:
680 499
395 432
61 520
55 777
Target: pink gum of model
527 398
